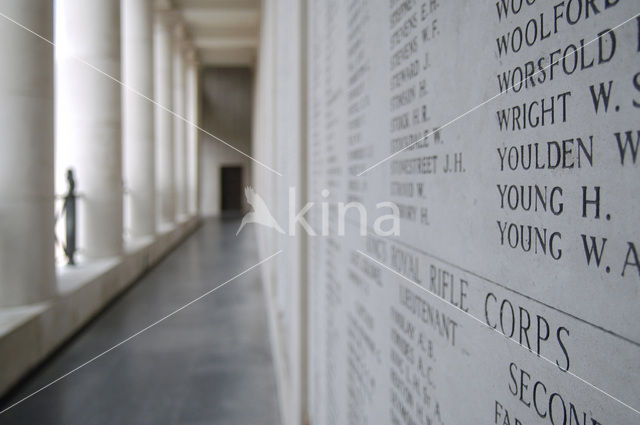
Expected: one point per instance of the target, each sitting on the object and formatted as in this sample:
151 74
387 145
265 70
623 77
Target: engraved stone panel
507 133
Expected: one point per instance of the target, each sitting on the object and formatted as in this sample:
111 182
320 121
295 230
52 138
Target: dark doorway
231 191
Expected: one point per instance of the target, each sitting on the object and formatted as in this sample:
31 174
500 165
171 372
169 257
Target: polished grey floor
208 364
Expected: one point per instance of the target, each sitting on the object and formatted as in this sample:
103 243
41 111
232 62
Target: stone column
27 265
90 118
178 123
163 95
192 131
138 122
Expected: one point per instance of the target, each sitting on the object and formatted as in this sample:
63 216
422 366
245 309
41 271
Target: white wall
388 341
279 143
226 114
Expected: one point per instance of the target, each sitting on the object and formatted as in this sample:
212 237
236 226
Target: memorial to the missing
404 212
507 133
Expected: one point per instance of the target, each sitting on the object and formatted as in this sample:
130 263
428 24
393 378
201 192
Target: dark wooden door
231 190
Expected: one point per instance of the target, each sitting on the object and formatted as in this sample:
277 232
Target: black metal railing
67 242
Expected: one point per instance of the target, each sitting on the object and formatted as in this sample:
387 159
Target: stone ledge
28 334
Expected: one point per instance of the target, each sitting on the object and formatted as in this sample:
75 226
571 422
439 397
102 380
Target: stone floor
208 364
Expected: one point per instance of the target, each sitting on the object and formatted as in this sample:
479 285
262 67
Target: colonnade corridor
209 363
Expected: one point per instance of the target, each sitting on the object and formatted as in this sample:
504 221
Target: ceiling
225 32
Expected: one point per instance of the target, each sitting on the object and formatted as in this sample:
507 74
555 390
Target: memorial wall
507 135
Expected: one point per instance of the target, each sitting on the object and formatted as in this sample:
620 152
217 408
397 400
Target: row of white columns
116 139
